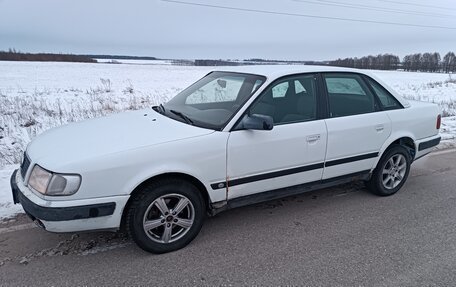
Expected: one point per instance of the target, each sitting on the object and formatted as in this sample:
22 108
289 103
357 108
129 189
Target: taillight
439 121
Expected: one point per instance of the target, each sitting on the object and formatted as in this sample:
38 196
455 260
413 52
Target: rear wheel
166 215
391 171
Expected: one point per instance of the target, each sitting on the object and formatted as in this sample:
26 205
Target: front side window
280 90
289 100
348 95
213 100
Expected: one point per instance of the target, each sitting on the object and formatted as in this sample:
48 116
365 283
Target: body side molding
290 171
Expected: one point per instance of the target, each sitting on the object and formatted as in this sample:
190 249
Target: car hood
57 148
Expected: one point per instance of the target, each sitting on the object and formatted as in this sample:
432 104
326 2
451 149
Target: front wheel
391 172
166 215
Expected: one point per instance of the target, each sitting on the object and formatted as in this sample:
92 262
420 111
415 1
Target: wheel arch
376 184
198 184
406 141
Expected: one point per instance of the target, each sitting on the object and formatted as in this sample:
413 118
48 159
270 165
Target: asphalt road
338 236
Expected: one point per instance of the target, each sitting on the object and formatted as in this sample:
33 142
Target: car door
356 127
291 153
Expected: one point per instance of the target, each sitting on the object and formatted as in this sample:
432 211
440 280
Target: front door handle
313 138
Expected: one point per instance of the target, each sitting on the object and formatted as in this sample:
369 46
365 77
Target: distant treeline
12 55
253 61
120 57
427 62
215 63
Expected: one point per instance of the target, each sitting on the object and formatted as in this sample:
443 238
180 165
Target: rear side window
299 87
386 99
348 95
349 86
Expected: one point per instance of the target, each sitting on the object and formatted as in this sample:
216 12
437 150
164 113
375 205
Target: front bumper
68 216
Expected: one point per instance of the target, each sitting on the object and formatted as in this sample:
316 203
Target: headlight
48 183
39 179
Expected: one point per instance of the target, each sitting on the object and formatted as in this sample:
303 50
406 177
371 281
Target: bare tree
449 62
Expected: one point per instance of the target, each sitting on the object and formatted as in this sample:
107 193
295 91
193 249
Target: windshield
213 100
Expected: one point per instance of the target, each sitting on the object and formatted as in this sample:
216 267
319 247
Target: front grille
25 166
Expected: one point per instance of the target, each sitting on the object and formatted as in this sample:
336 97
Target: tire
391 172
166 215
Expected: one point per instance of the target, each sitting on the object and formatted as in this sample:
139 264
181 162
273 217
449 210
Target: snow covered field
36 96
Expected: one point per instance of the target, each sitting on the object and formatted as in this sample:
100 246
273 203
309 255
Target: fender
395 135
157 170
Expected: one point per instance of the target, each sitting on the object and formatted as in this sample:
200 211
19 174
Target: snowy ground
36 96
428 87
7 208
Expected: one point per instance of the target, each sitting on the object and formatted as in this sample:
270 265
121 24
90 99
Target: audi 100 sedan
237 136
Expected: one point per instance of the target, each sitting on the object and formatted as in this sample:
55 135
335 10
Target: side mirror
256 122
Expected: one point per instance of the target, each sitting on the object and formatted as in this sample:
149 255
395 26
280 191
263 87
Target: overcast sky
178 30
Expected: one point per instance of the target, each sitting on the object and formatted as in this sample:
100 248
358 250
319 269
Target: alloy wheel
394 171
168 218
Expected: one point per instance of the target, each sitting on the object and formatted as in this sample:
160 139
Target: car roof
277 71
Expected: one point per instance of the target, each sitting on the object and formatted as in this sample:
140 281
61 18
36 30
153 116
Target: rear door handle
313 138
379 128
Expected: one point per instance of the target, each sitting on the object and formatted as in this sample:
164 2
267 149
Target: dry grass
24 115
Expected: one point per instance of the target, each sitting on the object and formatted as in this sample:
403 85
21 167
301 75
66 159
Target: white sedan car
237 136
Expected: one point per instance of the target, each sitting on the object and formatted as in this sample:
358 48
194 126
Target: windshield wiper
186 119
162 108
